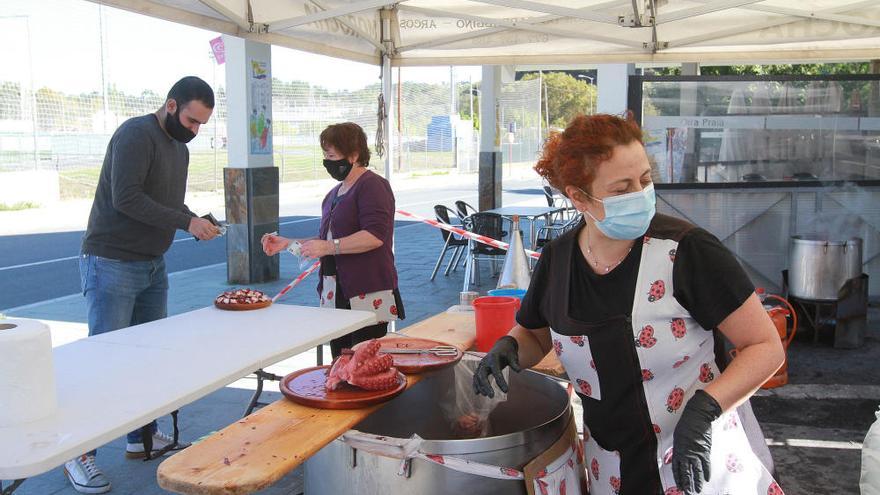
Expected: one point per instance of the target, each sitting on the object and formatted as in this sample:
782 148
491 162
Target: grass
21 205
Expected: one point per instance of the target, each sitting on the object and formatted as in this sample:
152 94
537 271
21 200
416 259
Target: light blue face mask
627 216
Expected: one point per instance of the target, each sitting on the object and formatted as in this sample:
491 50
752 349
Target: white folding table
116 382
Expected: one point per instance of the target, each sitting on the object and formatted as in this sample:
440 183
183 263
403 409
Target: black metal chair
464 210
555 199
549 232
489 225
450 241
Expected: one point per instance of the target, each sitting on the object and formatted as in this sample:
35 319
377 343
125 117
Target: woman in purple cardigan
355 238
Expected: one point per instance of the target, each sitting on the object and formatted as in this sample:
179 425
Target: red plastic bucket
495 316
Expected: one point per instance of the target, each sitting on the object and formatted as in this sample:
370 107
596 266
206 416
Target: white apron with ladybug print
677 358
381 303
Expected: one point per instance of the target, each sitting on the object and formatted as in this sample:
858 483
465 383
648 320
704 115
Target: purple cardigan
368 205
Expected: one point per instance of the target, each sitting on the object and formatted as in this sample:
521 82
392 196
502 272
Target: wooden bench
257 451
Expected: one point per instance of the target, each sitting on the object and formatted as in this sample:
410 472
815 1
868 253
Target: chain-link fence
64 128
520 114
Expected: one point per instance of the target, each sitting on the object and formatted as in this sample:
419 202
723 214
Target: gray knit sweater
139 201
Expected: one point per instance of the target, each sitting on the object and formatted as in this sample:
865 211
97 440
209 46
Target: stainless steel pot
528 423
820 267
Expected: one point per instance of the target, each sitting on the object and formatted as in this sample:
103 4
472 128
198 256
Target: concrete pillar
490 141
251 180
612 82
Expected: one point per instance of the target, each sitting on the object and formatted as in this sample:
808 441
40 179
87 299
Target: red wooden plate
306 387
243 307
417 363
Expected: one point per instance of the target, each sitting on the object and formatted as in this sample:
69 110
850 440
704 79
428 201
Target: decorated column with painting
251 179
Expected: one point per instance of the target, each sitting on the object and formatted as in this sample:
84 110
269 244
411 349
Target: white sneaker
85 476
160 441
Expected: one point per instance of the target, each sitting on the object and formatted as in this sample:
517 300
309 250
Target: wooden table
116 382
257 451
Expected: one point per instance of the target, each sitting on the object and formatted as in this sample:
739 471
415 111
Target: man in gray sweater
138 207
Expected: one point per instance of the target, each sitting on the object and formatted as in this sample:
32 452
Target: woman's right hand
504 353
274 244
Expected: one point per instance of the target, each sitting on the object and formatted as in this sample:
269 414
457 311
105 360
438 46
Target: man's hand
316 248
274 244
203 229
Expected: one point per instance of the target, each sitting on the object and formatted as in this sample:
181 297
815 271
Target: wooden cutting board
308 387
417 363
243 307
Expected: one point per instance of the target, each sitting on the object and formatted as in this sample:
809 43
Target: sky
57 42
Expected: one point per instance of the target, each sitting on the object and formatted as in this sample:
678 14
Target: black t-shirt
708 282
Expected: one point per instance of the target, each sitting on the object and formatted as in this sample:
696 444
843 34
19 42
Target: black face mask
338 169
176 129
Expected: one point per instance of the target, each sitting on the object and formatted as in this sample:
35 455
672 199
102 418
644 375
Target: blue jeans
121 294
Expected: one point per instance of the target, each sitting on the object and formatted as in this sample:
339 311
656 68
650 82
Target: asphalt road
40 267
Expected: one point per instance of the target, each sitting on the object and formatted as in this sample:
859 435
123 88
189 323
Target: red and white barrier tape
464 233
434 223
297 280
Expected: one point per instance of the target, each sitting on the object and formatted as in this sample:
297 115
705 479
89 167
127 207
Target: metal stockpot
534 416
820 267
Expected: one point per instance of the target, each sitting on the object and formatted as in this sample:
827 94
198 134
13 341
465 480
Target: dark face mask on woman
176 130
338 169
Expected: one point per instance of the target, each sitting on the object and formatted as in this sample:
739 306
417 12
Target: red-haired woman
629 301
355 238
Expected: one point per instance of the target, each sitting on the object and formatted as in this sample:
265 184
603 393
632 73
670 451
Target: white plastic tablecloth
113 383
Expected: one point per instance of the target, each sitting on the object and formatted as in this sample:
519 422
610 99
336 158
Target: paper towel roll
27 377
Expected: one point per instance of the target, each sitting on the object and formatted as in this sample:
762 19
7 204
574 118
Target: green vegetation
566 97
21 205
774 70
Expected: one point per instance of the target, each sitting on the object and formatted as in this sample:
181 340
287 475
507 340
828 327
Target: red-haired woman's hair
571 157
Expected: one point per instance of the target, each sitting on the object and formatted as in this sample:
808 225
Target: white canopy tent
513 32
611 34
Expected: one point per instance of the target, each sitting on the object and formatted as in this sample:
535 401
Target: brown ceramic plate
243 307
306 387
417 363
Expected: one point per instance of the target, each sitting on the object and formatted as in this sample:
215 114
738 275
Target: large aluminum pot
820 267
528 423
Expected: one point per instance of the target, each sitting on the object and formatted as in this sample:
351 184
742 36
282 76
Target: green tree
467 95
566 97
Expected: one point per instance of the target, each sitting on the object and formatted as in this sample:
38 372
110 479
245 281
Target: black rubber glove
692 443
504 353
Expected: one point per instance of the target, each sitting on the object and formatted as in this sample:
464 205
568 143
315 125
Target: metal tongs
440 350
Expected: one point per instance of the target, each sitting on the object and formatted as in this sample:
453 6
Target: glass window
740 129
